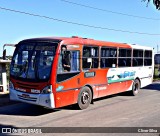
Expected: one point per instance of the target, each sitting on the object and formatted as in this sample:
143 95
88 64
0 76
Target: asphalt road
121 110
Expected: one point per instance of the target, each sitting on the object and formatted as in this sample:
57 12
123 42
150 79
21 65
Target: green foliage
155 2
156 73
8 70
8 67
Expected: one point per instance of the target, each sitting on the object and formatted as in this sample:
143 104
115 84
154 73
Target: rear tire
135 87
84 98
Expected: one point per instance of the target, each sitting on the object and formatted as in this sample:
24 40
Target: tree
155 2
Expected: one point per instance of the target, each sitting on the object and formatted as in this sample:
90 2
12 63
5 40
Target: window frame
108 47
150 57
98 56
71 64
137 58
70 74
125 57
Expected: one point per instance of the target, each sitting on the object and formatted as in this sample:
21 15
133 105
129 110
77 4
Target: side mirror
4 54
4 50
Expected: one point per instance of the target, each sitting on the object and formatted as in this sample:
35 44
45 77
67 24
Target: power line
79 24
109 11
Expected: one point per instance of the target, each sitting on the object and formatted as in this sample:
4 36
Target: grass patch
156 74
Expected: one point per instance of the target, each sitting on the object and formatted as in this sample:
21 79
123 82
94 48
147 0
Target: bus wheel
84 98
135 87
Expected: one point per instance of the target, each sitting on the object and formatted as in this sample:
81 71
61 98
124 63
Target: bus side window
103 63
74 69
65 59
108 57
148 58
138 57
90 57
60 68
86 53
124 58
75 61
68 62
135 62
122 62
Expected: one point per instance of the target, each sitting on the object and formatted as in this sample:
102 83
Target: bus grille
33 99
27 86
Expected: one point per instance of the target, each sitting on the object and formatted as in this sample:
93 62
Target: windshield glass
157 58
33 60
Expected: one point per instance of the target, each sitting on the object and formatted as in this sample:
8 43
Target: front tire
135 87
84 98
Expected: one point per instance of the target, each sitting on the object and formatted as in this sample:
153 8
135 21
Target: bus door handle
78 80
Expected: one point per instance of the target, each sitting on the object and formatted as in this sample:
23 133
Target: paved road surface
120 110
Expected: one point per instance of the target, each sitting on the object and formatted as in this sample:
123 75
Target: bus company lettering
35 91
101 88
20 89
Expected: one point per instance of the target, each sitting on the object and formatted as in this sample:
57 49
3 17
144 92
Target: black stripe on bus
27 99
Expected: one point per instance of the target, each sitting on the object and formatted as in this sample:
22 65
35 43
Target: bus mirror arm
4 50
4 54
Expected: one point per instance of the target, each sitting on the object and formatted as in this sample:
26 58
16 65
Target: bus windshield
157 58
33 61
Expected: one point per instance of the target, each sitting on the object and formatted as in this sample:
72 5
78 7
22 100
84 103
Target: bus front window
157 59
33 60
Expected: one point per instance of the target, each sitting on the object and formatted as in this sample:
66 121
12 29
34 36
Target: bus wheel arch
136 87
85 97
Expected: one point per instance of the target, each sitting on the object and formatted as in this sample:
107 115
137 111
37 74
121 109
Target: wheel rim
85 97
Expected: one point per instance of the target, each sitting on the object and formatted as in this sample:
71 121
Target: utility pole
157 48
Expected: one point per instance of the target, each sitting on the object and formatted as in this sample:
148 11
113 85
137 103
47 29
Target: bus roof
136 46
87 41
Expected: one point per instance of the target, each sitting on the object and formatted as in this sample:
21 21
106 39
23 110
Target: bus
157 64
157 58
58 71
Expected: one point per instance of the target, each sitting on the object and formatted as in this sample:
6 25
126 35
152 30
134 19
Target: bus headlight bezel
47 90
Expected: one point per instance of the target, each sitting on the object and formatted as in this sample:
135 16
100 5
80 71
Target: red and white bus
55 72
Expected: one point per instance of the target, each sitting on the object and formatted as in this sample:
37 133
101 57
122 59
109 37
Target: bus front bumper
46 100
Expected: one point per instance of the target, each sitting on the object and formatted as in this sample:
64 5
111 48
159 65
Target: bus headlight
11 86
46 90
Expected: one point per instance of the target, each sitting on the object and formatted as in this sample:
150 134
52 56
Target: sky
15 27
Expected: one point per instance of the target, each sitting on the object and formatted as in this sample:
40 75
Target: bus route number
89 74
